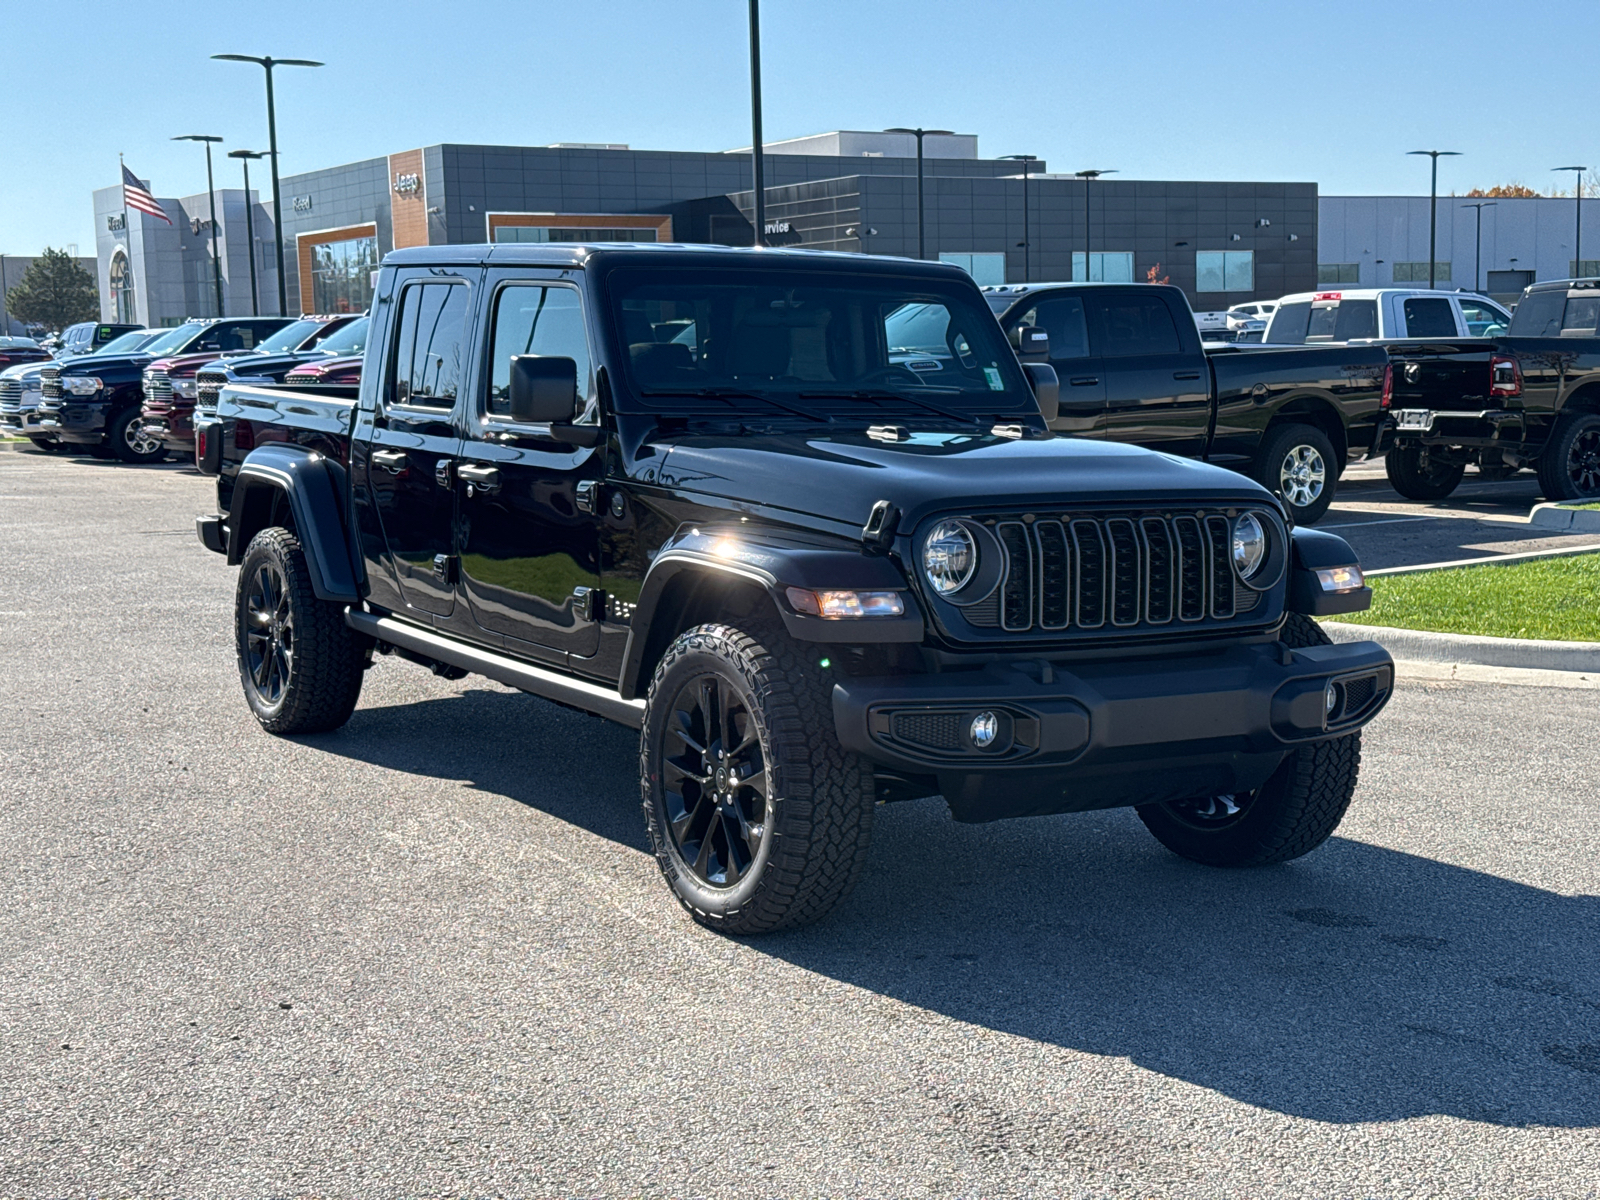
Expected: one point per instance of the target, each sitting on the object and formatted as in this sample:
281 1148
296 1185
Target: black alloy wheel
268 634
715 786
1583 461
1569 468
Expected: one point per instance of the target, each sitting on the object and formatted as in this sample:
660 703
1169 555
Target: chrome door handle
393 461
485 479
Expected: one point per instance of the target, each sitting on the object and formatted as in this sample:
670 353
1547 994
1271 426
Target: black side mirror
544 389
1032 343
1046 389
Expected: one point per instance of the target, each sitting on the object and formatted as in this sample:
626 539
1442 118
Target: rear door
1429 317
407 465
1083 392
529 537
1158 387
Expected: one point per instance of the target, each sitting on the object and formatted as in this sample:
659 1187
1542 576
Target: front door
529 532
407 462
1083 389
1158 386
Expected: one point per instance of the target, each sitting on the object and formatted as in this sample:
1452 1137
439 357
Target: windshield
18 343
127 343
352 339
173 339
289 337
825 343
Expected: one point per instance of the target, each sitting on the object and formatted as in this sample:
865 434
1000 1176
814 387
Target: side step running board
591 697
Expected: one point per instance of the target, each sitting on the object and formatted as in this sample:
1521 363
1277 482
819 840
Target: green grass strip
1550 599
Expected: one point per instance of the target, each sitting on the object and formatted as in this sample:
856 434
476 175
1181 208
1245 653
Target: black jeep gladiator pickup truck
1133 369
1530 398
812 577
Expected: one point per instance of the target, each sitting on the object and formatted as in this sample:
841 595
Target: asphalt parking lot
428 954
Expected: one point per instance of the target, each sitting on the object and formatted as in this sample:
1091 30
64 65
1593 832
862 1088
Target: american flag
135 195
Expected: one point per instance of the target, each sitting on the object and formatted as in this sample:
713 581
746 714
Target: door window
1581 318
1539 315
1483 321
1063 319
1429 318
531 319
430 349
1137 325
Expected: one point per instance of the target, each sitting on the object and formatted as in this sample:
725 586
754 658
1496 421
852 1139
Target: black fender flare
1313 550
774 562
314 486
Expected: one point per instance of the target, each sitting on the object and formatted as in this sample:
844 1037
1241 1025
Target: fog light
1341 579
985 728
1331 698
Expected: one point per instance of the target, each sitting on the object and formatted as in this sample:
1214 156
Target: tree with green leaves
55 292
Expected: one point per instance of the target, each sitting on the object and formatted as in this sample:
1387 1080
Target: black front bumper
76 422
1100 735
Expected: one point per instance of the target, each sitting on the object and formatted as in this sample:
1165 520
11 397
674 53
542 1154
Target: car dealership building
1223 243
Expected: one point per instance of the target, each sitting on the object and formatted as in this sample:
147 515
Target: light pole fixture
919 134
211 193
244 157
1433 204
1577 235
1477 252
1087 176
268 62
1027 161
758 172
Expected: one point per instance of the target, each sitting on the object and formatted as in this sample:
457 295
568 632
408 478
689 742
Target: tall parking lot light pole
1027 161
1433 204
919 134
1477 253
1577 233
268 63
211 193
1087 177
244 157
758 172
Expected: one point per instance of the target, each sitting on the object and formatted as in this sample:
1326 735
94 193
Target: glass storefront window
341 275
1225 271
543 233
1108 266
122 289
985 269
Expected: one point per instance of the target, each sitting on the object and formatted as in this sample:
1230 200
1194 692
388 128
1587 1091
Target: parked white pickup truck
1371 314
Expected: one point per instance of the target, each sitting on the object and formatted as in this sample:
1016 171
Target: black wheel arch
301 490
1315 410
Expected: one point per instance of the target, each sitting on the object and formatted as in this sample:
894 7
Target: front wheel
1417 475
1569 468
759 819
1291 814
1298 461
131 442
300 664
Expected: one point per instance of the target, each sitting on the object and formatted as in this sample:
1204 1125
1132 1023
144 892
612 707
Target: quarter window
1582 315
1539 315
430 347
546 321
1225 271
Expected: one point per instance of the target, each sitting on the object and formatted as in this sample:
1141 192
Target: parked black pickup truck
814 579
1528 399
1132 369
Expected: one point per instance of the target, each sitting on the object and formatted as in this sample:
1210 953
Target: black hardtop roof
1561 285
680 255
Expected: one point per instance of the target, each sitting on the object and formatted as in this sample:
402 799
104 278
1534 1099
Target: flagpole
127 234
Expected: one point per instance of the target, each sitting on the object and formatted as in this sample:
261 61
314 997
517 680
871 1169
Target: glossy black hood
107 366
840 475
273 366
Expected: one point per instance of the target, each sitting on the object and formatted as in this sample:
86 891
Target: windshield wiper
722 393
964 418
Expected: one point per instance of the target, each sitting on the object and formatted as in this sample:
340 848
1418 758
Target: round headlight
949 557
1249 545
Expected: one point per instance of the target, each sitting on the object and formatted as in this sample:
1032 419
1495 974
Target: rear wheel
759 819
300 664
1569 468
1298 461
1289 815
1416 475
130 442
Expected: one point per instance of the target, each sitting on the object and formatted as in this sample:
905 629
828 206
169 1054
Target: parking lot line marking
1388 521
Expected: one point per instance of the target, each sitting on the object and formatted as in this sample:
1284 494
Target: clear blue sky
1331 92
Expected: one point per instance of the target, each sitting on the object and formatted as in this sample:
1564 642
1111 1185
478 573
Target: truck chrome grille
1113 572
157 387
10 395
50 383
207 386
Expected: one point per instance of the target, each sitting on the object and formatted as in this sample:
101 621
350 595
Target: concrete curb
1560 516
1417 645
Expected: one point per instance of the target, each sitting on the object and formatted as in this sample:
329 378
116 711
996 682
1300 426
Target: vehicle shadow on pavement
1357 984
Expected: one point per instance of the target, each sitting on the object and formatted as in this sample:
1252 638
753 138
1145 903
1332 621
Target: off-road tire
1576 437
1407 475
1298 442
1293 813
118 435
820 796
327 658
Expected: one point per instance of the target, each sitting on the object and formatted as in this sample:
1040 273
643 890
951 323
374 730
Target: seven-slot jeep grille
1113 572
